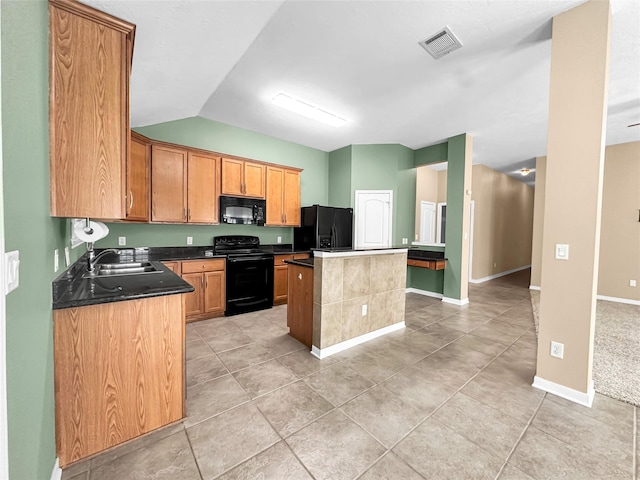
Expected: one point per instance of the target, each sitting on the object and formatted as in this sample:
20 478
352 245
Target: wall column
538 220
573 198
456 274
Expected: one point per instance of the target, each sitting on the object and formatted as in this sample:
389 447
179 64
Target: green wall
29 229
218 137
376 167
340 178
455 205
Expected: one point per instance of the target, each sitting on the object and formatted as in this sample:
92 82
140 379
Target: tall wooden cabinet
241 178
184 186
283 197
90 63
138 167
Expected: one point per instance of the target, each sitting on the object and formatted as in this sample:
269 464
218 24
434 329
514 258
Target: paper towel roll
96 231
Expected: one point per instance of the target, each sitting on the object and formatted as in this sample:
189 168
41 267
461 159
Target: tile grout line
195 460
634 453
524 430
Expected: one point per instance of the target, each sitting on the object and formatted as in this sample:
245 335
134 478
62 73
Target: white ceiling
225 60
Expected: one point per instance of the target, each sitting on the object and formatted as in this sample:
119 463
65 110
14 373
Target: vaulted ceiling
225 60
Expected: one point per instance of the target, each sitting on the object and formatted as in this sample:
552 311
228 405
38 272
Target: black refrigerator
324 227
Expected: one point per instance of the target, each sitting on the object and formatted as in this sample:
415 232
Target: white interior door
427 222
373 218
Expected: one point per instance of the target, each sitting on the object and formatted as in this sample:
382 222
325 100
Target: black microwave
238 210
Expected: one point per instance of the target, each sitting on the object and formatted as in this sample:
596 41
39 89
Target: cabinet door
202 194
280 284
275 212
214 292
173 266
88 112
291 195
193 303
232 176
254 180
138 179
168 185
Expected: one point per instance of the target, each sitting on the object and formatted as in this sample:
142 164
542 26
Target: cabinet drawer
195 266
280 259
429 264
301 256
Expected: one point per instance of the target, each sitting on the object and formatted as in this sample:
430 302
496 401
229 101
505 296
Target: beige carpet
616 359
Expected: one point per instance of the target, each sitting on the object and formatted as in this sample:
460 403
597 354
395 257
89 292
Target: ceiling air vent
441 43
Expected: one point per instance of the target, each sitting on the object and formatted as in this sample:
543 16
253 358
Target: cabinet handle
282 218
130 199
285 218
189 214
184 213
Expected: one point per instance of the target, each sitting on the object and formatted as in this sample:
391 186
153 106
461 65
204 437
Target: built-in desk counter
358 295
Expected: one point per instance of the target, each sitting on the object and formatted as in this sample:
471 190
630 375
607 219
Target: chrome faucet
93 258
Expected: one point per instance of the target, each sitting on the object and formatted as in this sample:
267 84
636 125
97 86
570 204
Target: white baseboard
628 301
339 347
426 293
498 275
455 301
56 474
575 396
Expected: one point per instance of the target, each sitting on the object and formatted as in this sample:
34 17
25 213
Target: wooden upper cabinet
202 194
168 184
90 63
253 180
291 202
275 197
283 197
242 178
138 166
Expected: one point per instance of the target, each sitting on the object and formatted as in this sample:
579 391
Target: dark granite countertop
418 254
72 289
305 262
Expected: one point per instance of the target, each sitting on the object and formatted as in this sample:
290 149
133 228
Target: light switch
12 273
562 251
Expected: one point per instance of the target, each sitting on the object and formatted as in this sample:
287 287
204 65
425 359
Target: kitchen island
358 295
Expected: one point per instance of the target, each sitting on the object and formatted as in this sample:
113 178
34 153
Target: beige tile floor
448 397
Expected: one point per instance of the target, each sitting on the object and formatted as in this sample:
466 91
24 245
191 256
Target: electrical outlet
557 349
405 241
632 283
189 240
56 260
495 264
416 237
279 239
364 309
122 241
67 257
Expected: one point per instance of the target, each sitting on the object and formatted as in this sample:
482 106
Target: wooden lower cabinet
173 266
208 278
119 372
300 305
281 276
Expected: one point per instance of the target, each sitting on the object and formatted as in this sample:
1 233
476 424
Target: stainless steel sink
117 269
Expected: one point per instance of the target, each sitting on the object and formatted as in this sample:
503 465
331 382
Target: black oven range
249 273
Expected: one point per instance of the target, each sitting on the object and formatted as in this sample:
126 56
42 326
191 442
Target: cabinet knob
299 276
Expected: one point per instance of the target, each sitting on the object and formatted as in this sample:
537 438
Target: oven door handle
251 259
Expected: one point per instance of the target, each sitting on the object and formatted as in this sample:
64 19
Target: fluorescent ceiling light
307 110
